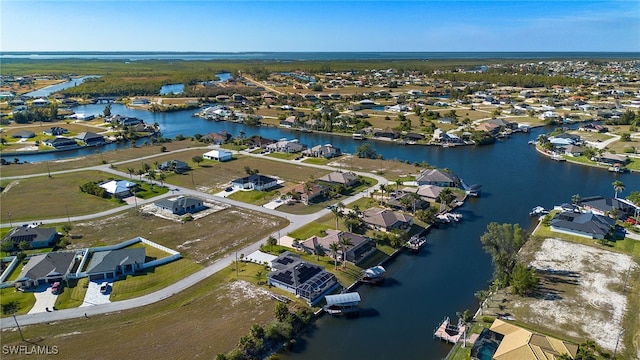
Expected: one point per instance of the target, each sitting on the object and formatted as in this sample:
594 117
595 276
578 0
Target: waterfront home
396 201
45 269
325 151
426 192
115 263
587 225
573 150
593 127
612 159
23 134
388 133
118 188
437 177
216 138
259 141
385 220
55 131
602 206
340 178
504 340
61 143
286 146
90 138
180 205
218 155
366 104
308 193
177 166
36 237
254 182
305 280
360 248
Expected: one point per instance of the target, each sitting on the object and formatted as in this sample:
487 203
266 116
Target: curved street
295 222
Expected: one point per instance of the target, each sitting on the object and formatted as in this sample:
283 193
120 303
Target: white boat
357 136
538 210
373 275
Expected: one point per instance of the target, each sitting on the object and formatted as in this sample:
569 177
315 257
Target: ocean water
311 56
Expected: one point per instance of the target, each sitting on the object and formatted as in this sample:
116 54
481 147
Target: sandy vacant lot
582 292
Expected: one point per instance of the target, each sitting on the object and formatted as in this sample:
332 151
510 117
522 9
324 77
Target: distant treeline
527 81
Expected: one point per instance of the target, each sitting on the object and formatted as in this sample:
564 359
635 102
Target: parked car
104 287
55 288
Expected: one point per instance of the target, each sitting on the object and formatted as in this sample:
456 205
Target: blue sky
232 26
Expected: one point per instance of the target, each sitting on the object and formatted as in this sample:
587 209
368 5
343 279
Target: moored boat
373 275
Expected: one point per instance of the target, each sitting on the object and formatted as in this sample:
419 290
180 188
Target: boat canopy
347 299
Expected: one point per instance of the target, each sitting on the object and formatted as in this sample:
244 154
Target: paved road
295 222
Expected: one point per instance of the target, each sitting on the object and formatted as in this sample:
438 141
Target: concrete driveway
44 299
94 296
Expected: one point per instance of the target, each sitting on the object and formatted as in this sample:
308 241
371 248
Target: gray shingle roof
40 266
583 222
104 261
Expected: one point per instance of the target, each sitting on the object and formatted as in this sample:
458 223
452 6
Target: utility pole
10 224
68 217
20 330
237 271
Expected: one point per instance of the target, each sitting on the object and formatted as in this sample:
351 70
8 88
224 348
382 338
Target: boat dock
449 332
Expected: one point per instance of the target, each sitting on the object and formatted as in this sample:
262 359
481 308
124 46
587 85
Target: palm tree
350 219
334 247
319 250
398 183
383 188
575 199
345 242
618 186
338 214
130 171
161 177
445 196
140 172
414 197
152 176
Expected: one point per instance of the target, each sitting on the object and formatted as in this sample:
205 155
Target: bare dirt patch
211 208
581 292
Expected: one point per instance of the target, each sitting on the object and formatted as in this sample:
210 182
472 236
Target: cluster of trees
520 80
116 86
36 114
502 242
262 340
93 189
629 117
366 151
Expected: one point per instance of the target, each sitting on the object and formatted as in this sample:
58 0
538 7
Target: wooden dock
449 332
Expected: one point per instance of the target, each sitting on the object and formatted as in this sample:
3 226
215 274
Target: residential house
601 206
385 220
218 155
587 225
513 342
573 150
286 146
305 280
308 193
177 166
41 102
593 127
90 138
259 141
217 138
180 205
426 192
60 142
386 133
360 248
55 131
326 151
340 178
36 237
114 263
118 188
23 134
254 182
45 269
612 159
396 201
437 177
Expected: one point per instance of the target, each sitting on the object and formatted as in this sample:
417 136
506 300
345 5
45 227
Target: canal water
46 91
398 318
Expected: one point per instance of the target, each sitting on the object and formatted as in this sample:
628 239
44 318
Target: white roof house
118 187
218 155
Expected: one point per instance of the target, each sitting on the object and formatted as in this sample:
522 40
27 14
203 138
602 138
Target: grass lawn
55 196
255 197
147 191
21 302
285 156
72 296
314 228
202 321
318 161
152 279
201 241
390 169
129 154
